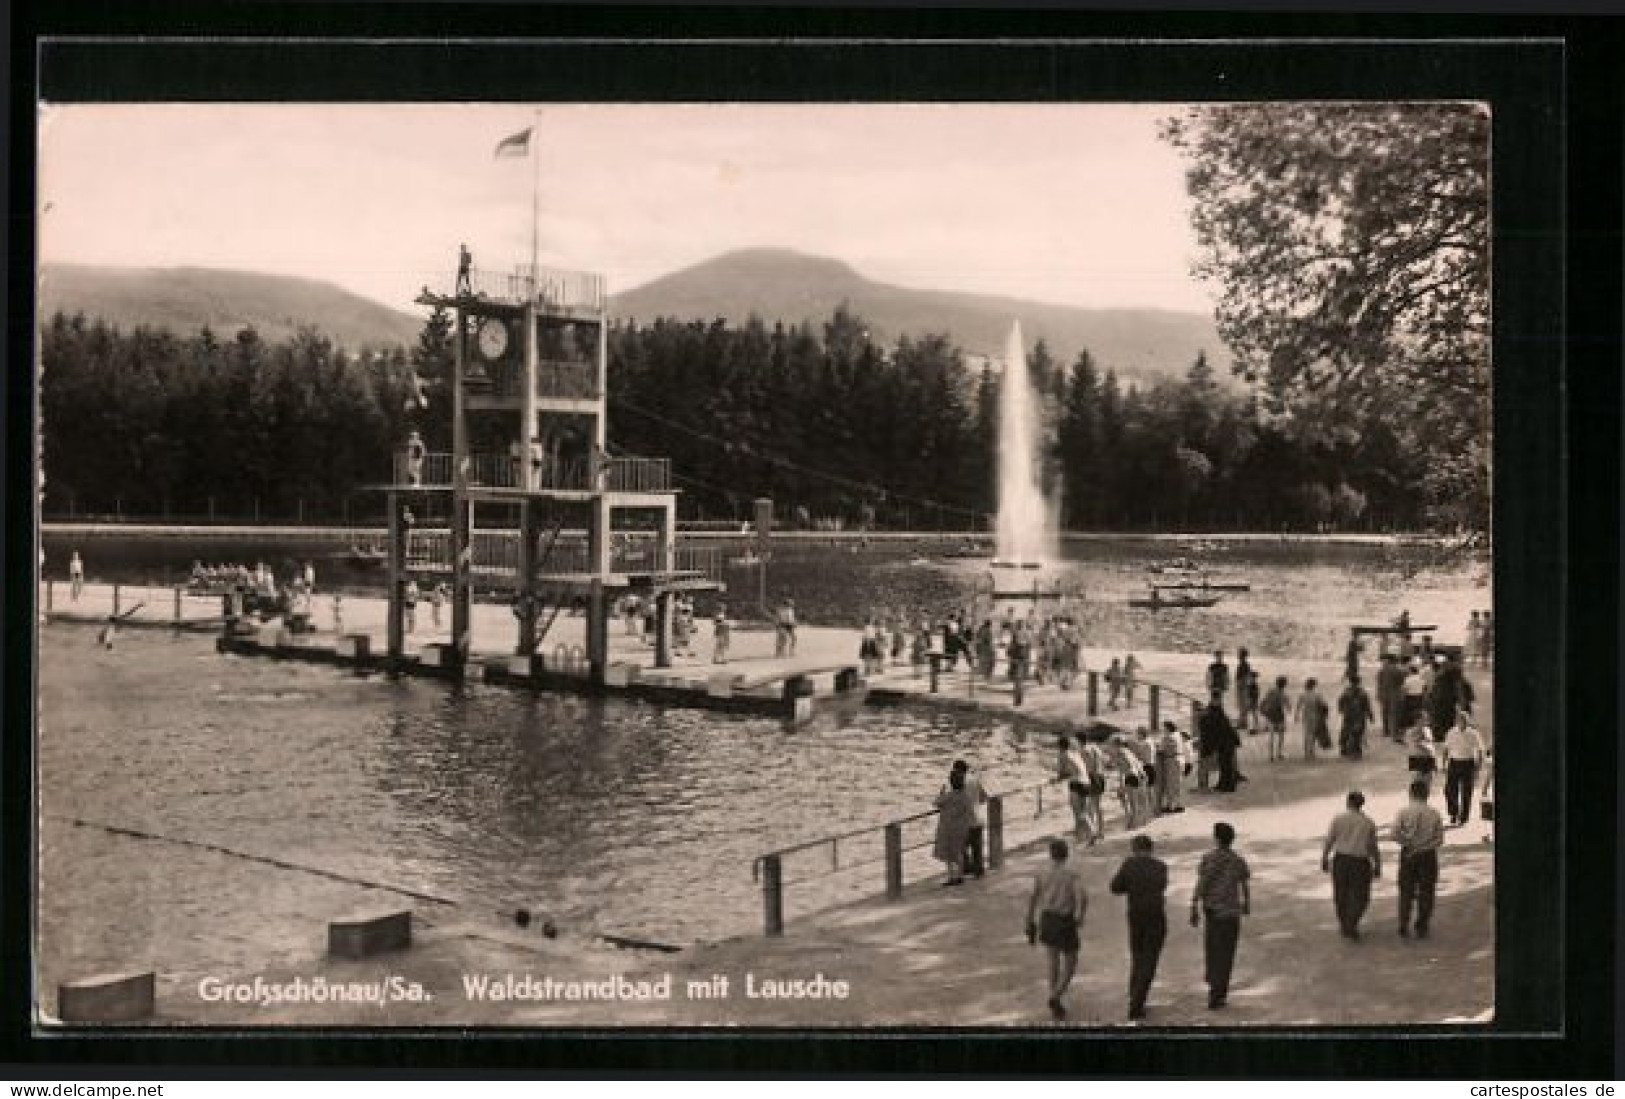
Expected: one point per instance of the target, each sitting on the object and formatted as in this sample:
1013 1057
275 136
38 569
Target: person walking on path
1143 879
954 817
1354 707
975 863
1450 694
437 599
1055 912
1391 696
1094 765
1464 755
1132 773
76 575
1218 676
1351 857
721 634
1245 718
1070 767
784 640
1310 711
1274 709
1419 832
1421 752
409 606
1172 763
1219 741
1222 897
1114 683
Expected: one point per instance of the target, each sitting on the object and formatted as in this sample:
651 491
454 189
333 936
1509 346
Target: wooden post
995 831
177 604
1156 707
1094 692
663 629
528 535
894 861
395 625
115 600
48 594
772 896
597 632
936 671
462 533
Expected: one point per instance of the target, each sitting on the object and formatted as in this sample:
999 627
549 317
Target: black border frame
1553 960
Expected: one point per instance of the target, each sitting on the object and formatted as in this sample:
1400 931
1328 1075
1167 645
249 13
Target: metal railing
637 475
505 471
705 560
572 380
554 287
887 844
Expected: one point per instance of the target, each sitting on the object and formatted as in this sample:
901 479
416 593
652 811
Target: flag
517 145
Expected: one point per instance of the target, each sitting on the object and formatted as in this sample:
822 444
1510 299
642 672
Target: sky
1074 204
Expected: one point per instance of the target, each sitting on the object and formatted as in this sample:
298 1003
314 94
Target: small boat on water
1156 601
1202 584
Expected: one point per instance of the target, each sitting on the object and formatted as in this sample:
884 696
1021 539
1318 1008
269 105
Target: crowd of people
1419 690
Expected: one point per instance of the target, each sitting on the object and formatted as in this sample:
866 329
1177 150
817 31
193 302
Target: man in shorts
1054 917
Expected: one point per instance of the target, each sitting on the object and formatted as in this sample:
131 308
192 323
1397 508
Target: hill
778 284
184 299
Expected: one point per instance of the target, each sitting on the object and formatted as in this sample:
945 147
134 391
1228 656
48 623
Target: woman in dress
956 813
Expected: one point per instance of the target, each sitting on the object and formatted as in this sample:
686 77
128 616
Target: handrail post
177 604
48 594
115 600
894 861
995 831
1094 692
1156 706
772 895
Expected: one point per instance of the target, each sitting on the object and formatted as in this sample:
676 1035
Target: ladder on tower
544 556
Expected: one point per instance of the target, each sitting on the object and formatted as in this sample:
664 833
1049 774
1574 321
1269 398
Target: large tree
1350 244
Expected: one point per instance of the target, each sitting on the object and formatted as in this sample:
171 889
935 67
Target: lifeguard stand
539 510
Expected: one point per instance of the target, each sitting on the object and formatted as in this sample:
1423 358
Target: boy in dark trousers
1143 878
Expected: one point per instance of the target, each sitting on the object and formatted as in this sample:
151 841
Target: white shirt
1464 744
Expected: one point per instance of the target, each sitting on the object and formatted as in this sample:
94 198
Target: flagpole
535 198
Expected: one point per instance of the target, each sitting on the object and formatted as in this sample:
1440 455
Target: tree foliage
1350 246
835 427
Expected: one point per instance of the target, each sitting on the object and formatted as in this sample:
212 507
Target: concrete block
620 675
354 646
366 934
802 709
720 685
432 656
519 665
266 634
107 998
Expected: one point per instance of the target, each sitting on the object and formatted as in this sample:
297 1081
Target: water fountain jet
1025 535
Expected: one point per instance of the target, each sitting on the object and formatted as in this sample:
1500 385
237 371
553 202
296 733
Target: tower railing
554 287
436 470
554 378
